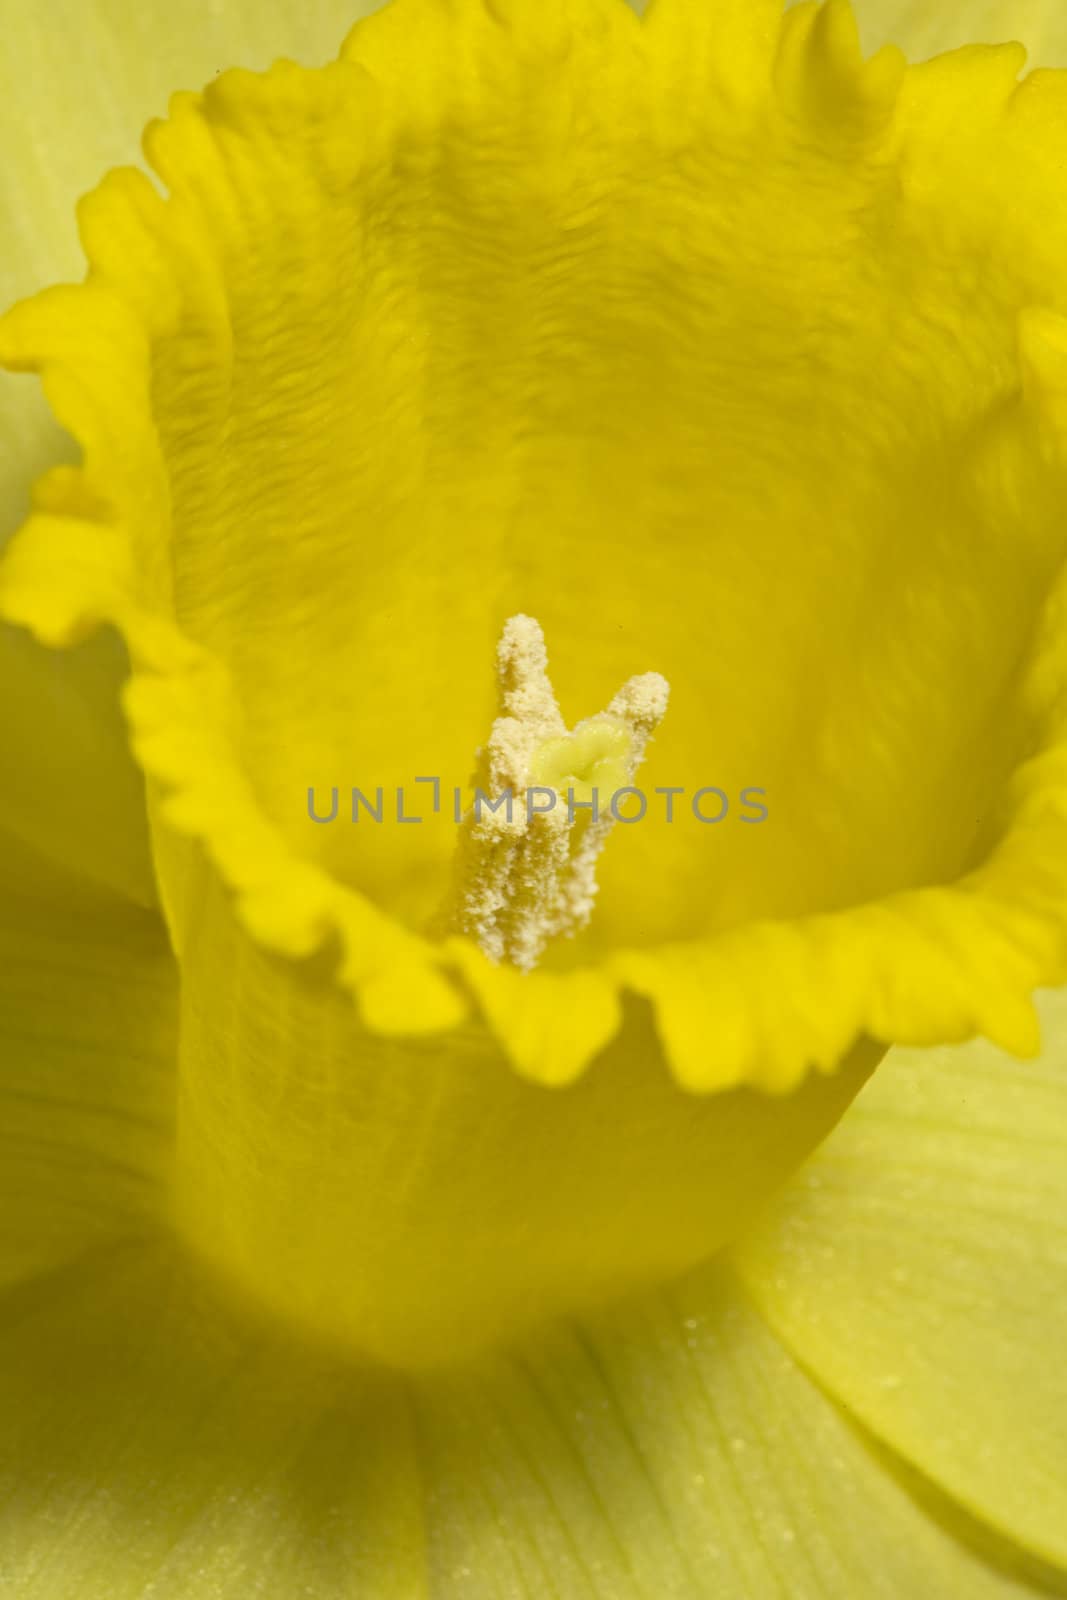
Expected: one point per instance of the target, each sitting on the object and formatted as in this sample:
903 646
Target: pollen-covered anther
542 810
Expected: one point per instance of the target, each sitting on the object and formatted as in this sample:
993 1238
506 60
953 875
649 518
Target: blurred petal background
923 29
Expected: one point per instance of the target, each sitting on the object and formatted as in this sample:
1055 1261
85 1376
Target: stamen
528 847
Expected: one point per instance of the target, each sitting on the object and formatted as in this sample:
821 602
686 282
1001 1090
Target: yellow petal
417 1199
923 29
154 1441
918 1267
78 79
71 791
87 1001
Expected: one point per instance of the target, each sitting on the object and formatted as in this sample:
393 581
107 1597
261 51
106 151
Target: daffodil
406 1196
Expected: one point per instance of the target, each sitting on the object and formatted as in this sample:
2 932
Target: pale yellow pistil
542 813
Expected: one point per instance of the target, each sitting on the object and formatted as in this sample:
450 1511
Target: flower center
692 316
544 804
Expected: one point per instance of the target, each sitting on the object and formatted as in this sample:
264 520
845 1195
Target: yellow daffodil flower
418 1199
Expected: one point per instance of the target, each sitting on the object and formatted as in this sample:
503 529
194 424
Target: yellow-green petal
154 1442
923 28
675 1451
88 1009
918 1267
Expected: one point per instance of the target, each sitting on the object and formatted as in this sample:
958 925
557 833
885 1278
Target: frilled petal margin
78 79
675 1451
918 1267
521 304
